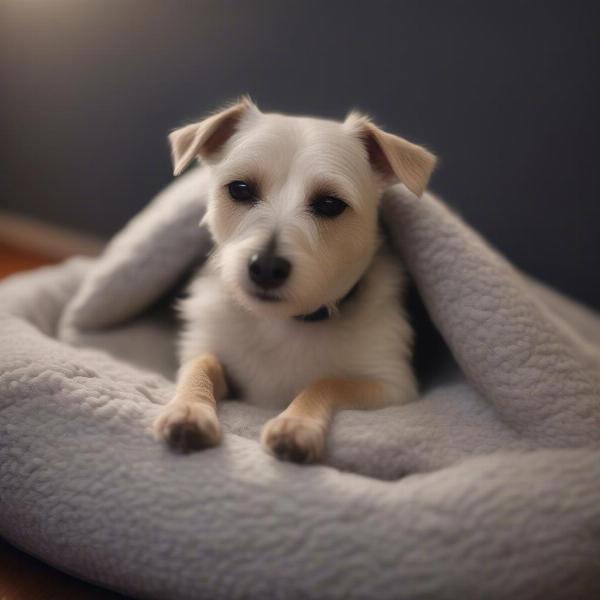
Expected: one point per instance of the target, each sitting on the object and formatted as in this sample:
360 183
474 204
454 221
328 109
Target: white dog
299 305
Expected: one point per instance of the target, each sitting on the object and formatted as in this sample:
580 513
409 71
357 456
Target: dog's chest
271 362
268 361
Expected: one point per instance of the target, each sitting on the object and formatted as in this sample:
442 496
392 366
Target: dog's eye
328 206
241 191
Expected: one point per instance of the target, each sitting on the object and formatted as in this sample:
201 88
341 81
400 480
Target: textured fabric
146 258
488 486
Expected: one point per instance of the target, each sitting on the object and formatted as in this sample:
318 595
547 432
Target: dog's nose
268 270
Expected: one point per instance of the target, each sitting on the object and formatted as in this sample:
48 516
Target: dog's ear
393 158
203 139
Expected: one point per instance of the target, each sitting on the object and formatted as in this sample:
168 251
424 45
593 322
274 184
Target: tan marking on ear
393 157
206 137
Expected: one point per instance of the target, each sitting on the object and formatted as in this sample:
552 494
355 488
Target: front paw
299 440
188 426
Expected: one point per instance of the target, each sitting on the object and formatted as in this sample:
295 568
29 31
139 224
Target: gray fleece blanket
488 486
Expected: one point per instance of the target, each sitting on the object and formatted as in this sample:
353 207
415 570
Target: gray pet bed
486 487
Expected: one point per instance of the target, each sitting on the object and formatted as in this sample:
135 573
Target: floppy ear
393 158
201 140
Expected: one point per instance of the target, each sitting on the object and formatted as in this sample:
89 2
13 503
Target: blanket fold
537 372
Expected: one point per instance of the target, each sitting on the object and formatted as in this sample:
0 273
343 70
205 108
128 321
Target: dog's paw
295 439
186 427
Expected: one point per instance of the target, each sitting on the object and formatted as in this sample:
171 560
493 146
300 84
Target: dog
299 305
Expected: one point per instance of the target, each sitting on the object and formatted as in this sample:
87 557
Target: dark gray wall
505 92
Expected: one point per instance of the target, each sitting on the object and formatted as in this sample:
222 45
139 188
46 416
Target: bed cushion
487 486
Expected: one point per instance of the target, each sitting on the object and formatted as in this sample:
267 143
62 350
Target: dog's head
293 207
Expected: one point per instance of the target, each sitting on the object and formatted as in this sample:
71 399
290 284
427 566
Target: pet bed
487 487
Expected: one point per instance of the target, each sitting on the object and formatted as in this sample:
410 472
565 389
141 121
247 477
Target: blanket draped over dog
487 487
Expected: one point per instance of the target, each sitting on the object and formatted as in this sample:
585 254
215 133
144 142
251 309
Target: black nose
268 270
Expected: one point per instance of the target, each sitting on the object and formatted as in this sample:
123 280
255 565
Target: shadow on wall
506 94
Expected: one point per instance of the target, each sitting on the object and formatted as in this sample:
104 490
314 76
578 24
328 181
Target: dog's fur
357 358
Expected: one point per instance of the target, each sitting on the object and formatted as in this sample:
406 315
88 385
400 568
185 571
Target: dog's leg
298 433
189 421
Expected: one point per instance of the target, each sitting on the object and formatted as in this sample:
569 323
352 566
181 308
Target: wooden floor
21 576
13 260
25 578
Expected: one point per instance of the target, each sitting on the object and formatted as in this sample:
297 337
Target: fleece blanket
488 486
